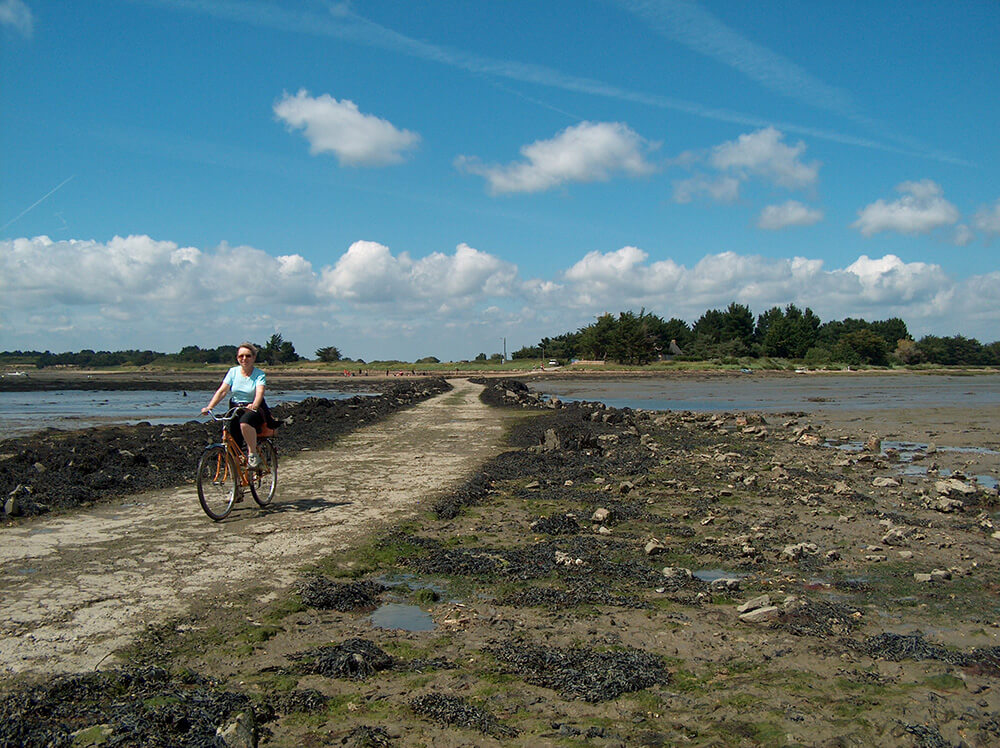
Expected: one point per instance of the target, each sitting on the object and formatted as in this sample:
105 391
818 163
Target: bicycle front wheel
265 479
217 482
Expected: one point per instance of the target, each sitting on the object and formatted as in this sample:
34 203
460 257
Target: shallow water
805 392
404 617
23 413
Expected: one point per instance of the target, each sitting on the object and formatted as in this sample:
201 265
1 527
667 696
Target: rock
625 487
534 484
832 555
810 440
797 551
753 603
654 547
906 554
873 443
600 515
677 573
898 536
944 504
602 530
94 735
886 483
840 488
921 578
552 441
39 467
725 584
940 575
954 487
761 615
239 733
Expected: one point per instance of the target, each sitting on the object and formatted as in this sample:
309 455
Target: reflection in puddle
710 575
405 617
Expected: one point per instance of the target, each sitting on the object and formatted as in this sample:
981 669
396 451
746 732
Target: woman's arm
258 398
219 394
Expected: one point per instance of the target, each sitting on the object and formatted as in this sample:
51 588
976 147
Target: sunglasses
245 355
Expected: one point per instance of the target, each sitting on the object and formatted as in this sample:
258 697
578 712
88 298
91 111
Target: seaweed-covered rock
354 658
579 672
453 710
326 594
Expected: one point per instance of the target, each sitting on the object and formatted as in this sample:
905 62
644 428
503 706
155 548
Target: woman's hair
249 346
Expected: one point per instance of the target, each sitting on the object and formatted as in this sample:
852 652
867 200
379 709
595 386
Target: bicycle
223 472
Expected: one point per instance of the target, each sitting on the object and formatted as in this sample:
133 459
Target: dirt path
77 587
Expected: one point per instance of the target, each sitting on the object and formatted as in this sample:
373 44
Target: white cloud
762 153
588 152
338 127
137 292
17 15
921 210
987 219
368 273
721 189
791 213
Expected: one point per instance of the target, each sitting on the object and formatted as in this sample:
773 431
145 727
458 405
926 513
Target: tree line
733 333
277 350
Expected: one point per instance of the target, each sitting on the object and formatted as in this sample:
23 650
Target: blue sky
403 179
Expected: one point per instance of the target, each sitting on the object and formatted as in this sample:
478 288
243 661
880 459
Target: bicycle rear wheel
217 482
265 479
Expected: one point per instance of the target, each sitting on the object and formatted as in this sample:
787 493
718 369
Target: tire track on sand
76 587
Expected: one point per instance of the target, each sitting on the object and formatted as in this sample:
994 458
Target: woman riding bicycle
246 383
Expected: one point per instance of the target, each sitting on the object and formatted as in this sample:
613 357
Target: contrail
38 201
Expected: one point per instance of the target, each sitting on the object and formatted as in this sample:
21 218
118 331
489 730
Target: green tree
787 333
862 347
330 354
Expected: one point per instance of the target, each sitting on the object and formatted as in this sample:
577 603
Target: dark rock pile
453 710
326 594
580 672
59 469
354 658
147 707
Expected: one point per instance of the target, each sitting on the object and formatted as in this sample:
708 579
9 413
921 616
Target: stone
753 603
921 577
841 488
725 584
654 547
602 530
95 735
809 440
873 443
600 515
12 506
886 482
797 551
239 733
625 487
552 441
906 555
898 536
677 573
761 615
940 575
533 485
954 487
944 504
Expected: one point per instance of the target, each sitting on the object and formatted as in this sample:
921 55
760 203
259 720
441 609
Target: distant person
246 383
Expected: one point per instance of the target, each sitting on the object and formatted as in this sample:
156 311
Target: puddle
710 575
907 451
405 617
414 583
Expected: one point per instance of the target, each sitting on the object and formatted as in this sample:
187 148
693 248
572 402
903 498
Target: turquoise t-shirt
243 389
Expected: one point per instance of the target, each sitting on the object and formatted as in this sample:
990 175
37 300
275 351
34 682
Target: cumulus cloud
339 127
762 153
140 292
588 152
987 219
368 273
920 210
721 189
791 213
17 15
